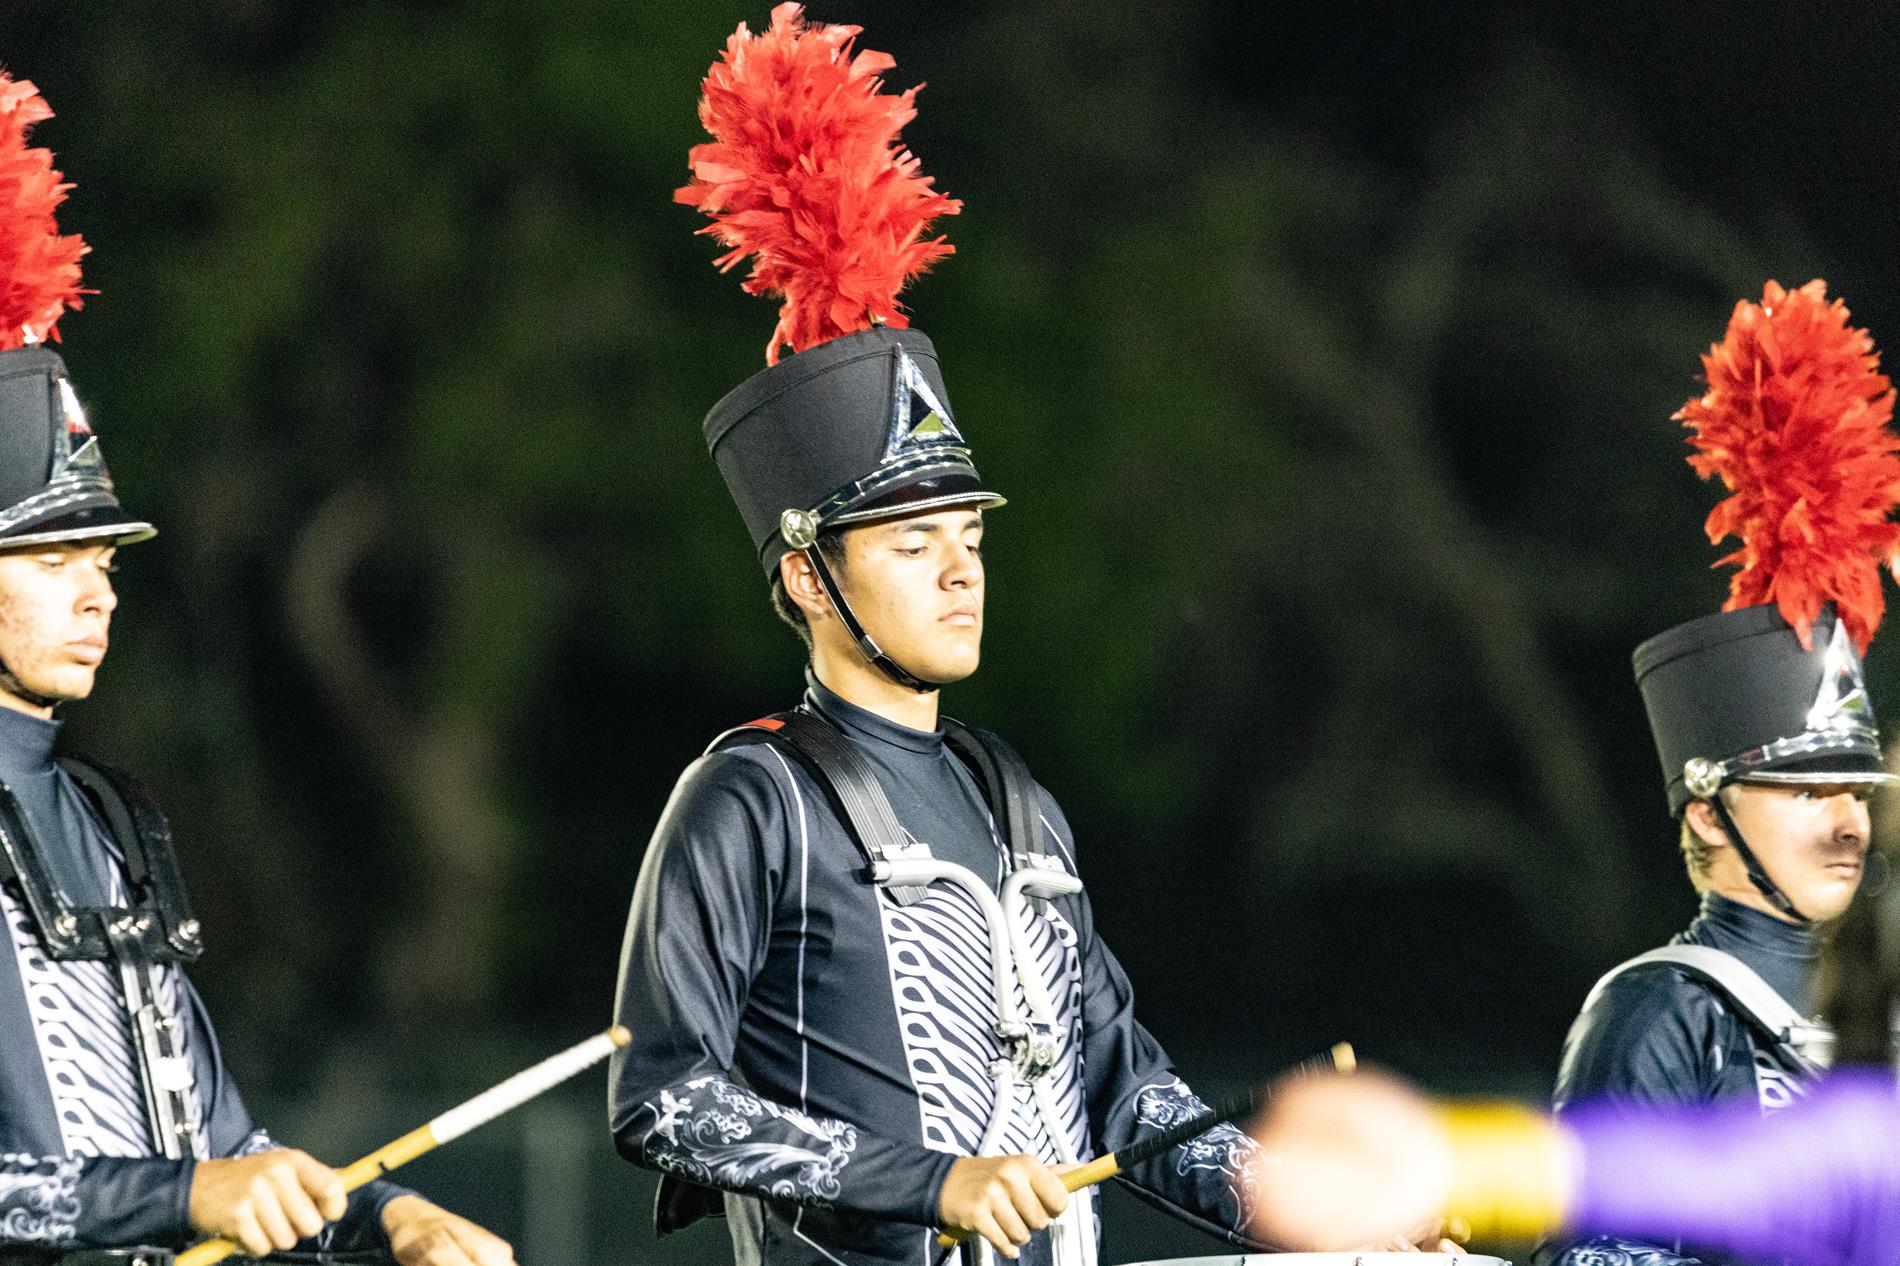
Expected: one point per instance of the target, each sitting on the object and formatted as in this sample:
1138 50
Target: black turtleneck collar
61 827
1781 952
862 723
26 745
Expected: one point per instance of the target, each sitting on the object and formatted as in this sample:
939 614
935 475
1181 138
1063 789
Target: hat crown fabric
1738 690
842 431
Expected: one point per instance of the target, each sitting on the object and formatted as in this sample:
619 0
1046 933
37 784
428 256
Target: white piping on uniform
797 1223
1057 837
804 916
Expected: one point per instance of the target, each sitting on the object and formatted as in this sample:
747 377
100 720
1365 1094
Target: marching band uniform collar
862 723
1781 953
1757 930
26 744
53 818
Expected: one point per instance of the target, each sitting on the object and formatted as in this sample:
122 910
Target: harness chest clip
1032 1047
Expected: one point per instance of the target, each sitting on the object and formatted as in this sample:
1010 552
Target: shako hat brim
100 522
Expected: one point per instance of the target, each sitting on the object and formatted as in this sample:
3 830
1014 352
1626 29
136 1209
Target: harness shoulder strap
144 836
1810 1043
21 861
1006 784
835 765
110 804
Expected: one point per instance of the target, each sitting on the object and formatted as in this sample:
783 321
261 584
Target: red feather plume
39 269
805 174
1795 424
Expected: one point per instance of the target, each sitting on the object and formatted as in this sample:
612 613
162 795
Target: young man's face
56 606
916 585
1811 840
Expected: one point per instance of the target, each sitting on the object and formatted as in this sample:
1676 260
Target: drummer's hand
424 1234
265 1201
1004 1199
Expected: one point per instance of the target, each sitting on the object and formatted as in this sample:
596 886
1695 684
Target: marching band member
867 995
120 1124
1762 720
1358 1158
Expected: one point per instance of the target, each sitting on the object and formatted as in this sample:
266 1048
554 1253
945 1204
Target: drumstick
451 1125
1340 1059
1122 1159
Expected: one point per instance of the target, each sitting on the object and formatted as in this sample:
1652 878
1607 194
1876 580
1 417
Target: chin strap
867 646
1756 875
11 683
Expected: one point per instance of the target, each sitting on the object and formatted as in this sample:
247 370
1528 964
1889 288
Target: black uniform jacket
111 1188
1662 1034
808 1044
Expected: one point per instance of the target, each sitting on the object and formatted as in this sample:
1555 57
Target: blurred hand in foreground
1358 1162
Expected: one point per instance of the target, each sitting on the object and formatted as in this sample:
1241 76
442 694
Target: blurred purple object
1816 1183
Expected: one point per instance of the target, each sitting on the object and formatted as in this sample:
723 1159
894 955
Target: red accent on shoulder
764 723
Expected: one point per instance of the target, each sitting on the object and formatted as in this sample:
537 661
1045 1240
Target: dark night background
1327 354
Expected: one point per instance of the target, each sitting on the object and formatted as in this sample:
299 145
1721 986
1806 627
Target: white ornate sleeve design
714 1132
39 1203
1223 1149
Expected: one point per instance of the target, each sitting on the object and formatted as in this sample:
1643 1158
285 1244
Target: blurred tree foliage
1332 397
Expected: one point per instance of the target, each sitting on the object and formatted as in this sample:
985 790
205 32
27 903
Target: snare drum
1331 1259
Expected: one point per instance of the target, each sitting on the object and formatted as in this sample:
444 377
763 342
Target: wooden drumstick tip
619 1035
1344 1059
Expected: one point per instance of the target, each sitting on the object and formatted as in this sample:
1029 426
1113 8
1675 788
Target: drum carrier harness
157 927
1026 1027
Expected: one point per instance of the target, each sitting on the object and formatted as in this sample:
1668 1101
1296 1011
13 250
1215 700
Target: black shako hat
1735 696
54 485
1794 424
805 174
853 429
